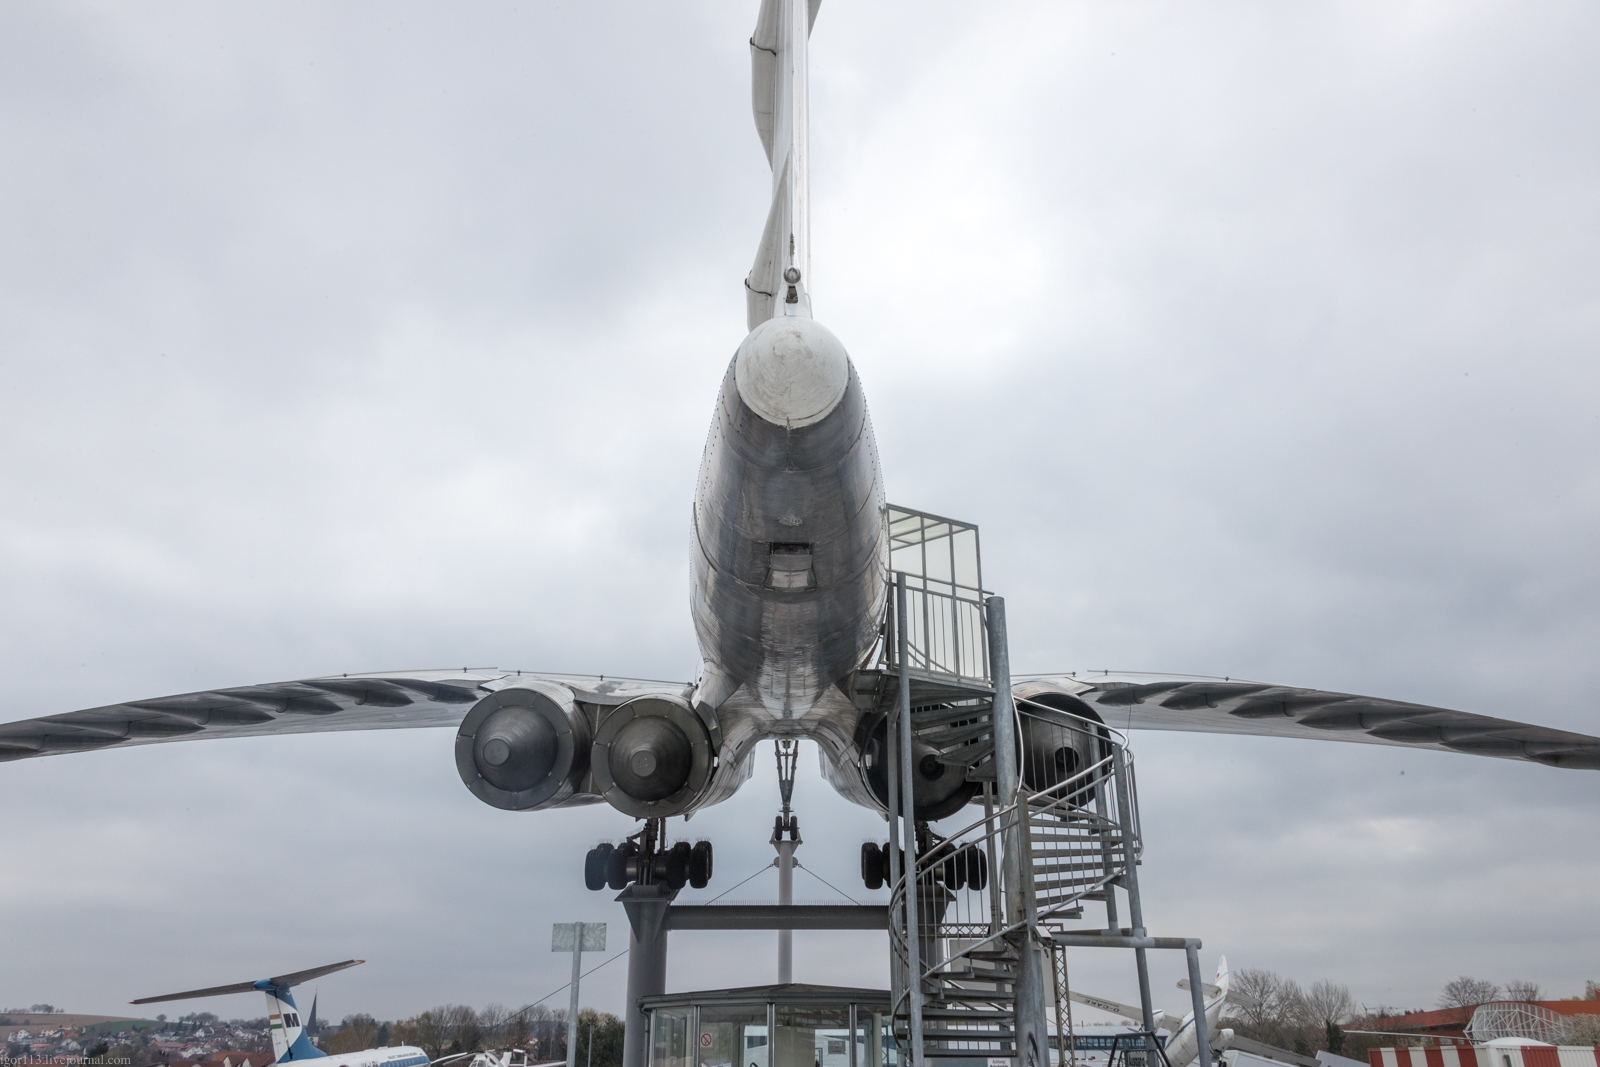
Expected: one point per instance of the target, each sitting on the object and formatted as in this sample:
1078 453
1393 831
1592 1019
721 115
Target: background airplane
290 1040
1182 1044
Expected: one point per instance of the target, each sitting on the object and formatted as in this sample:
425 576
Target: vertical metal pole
995 911
1055 985
785 897
891 769
1005 757
1130 882
1197 994
572 1012
855 1059
908 808
1033 1025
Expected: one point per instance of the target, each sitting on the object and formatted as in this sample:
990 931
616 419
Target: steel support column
647 907
1197 996
1130 882
1033 1025
908 811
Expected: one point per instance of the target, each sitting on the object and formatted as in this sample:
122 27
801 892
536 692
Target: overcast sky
1259 338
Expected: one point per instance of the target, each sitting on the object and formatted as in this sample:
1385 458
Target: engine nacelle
938 790
651 757
523 748
1053 749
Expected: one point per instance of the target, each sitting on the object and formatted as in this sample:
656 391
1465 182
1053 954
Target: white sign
562 936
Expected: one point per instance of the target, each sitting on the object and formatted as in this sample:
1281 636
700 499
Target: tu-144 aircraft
790 556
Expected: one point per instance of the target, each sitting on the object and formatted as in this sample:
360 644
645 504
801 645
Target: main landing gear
644 858
963 867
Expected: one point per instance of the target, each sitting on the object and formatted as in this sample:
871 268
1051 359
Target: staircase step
933 1012
930 717
972 996
940 1034
946 734
966 1053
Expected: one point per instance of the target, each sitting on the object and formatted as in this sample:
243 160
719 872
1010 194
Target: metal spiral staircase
1074 834
990 902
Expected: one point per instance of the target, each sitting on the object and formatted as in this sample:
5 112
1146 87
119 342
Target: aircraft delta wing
1196 704
384 701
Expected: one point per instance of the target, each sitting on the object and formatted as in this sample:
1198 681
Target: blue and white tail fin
289 1038
290 1041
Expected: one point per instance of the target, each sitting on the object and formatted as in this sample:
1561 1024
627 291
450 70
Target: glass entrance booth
791 1025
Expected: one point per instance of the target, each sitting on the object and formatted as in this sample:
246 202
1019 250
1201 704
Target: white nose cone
792 371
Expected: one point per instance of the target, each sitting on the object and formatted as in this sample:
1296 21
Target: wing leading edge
388 701
1237 706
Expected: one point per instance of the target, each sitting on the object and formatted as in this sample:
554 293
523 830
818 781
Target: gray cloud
1258 340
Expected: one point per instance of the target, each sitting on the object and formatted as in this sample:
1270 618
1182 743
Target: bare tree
492 1025
355 1033
1521 989
1273 1008
1329 1004
426 1031
1465 992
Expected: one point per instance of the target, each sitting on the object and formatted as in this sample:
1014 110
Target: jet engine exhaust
938 791
651 757
523 748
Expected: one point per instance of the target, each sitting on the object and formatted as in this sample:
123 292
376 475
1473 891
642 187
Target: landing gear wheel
955 870
871 865
977 867
700 864
676 869
617 874
596 865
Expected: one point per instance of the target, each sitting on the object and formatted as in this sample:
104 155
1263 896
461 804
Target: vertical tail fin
779 282
290 1041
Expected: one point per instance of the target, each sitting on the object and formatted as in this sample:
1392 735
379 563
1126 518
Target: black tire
883 858
977 865
700 864
871 866
676 868
617 874
955 871
596 865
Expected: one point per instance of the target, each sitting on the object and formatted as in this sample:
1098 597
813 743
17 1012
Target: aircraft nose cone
792 371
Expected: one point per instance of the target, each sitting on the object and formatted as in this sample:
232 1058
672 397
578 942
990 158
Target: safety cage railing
1076 821
944 620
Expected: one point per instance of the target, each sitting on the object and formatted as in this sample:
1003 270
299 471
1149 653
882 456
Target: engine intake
523 748
651 757
1055 749
938 789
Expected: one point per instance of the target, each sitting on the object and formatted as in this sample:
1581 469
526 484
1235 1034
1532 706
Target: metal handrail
1050 801
924 864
